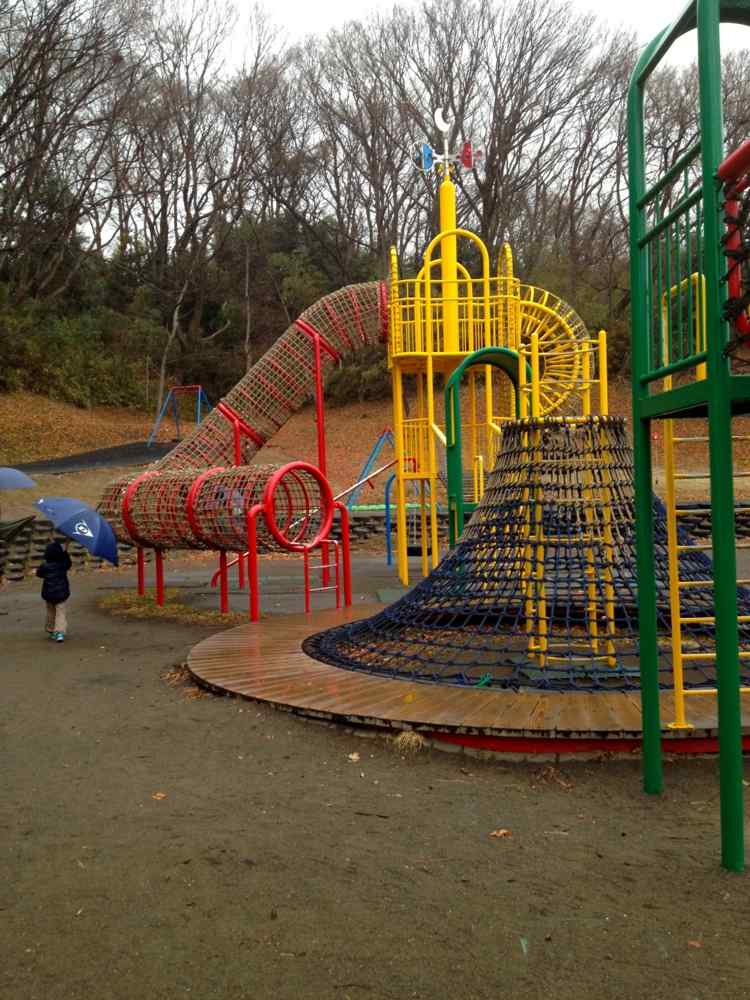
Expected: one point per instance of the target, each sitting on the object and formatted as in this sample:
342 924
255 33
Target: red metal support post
338 574
306 571
223 583
159 561
345 553
253 580
320 418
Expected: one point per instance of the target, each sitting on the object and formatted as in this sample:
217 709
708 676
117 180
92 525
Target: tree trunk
165 353
248 344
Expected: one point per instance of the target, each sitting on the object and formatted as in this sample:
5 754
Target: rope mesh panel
540 591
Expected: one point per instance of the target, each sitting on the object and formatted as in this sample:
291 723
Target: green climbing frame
677 267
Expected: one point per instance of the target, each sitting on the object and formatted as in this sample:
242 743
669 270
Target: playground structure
172 401
438 321
205 495
531 633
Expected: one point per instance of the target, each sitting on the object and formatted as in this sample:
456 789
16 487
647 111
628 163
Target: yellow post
449 264
489 414
423 528
523 402
535 398
603 376
432 471
608 539
589 513
394 334
673 561
473 437
699 281
675 612
586 377
398 440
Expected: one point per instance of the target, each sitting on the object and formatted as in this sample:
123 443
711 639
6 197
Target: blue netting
540 591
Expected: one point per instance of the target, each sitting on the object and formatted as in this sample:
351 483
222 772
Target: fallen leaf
501 832
353 756
159 796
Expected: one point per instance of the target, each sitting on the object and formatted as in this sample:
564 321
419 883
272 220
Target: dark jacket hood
54 552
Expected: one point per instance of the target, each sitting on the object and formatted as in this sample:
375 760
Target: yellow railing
484 320
416 447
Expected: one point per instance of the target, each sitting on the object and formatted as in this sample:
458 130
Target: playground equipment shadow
135 453
164 843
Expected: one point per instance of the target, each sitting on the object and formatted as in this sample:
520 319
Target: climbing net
540 591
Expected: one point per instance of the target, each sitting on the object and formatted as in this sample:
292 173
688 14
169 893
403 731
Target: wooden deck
264 661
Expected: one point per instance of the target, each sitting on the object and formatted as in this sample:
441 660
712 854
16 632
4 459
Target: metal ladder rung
710 620
319 590
703 546
710 656
704 440
687 511
699 691
566 659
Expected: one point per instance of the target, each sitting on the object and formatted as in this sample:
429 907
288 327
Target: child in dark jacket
55 589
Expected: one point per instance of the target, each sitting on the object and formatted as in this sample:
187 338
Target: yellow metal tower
438 319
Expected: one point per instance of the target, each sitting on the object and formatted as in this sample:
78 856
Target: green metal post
720 451
644 514
507 361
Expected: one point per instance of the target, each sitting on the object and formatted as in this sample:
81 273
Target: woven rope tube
194 509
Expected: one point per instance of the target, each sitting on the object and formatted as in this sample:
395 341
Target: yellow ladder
682 656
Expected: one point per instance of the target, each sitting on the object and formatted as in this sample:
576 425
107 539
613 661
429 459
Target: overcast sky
298 18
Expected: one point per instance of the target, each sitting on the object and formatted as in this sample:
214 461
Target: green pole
453 463
644 513
720 451
508 361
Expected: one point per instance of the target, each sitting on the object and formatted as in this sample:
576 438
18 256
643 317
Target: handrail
338 497
361 482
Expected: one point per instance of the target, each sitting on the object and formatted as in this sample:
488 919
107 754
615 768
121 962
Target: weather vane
427 157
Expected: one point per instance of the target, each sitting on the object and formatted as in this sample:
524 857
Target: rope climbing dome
540 591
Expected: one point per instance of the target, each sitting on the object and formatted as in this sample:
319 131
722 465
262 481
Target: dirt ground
160 842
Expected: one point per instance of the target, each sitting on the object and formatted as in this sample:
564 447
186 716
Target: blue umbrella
82 524
14 479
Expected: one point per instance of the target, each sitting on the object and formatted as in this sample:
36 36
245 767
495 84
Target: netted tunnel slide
199 495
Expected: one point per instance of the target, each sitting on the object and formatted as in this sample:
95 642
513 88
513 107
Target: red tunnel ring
326 506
